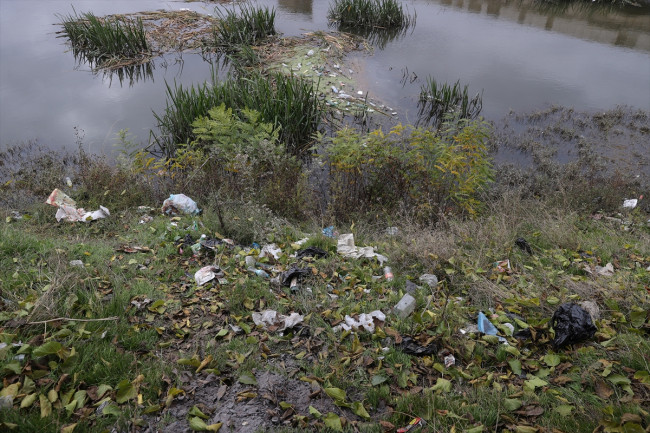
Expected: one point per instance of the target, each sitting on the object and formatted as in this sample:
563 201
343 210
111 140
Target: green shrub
424 172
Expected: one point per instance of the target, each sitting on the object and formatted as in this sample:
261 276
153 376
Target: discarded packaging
259 272
179 204
67 210
77 263
311 252
429 279
571 324
411 347
449 361
272 321
502 266
405 306
271 250
329 232
206 274
365 321
486 327
346 248
414 424
524 245
606 271
59 198
293 273
630 203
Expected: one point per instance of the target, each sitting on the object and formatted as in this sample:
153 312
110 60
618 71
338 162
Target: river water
522 58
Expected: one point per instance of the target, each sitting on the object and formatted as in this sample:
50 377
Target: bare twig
69 319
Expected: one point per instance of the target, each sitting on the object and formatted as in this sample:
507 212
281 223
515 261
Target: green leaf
336 393
552 359
111 409
247 378
222 333
564 409
358 409
512 403
333 421
378 379
28 400
618 379
477 429
534 382
125 392
197 424
442 385
313 411
195 411
637 318
12 367
515 366
49 348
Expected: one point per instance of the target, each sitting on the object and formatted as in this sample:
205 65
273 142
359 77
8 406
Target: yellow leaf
68 428
46 406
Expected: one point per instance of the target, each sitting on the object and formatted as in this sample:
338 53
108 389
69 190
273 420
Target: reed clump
437 100
246 26
105 41
288 102
387 14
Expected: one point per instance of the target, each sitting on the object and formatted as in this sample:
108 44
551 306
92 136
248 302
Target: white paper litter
346 248
206 274
271 250
630 203
68 211
270 318
365 321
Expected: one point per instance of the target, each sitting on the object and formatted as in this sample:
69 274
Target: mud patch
276 401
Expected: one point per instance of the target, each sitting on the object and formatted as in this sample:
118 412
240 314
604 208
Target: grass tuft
385 14
437 100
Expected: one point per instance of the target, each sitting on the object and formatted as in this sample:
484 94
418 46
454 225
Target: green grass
378 14
104 41
437 100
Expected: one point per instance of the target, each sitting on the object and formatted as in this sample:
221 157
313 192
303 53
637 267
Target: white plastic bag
179 203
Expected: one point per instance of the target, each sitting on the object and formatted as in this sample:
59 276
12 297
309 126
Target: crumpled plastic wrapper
365 321
272 321
346 248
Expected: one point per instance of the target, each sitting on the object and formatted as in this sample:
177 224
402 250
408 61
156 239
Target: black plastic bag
572 324
411 347
524 245
311 252
293 272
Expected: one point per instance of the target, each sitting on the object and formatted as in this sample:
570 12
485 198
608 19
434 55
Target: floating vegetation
287 101
383 14
121 40
106 41
437 100
246 26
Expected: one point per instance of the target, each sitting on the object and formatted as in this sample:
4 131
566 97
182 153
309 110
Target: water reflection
132 73
297 6
626 26
379 37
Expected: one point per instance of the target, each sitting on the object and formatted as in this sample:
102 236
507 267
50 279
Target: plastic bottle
388 274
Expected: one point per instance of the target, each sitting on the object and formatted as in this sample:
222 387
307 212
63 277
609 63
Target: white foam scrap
365 321
346 248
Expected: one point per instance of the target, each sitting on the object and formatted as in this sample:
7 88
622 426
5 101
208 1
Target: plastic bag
572 324
179 203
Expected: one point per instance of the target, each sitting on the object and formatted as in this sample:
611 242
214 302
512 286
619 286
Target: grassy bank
103 325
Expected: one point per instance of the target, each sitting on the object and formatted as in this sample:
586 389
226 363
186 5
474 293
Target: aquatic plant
247 26
437 100
105 42
288 102
384 14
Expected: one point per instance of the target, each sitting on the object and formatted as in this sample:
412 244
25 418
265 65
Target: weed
243 27
437 101
385 14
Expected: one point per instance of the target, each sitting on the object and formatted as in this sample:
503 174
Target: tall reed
370 13
101 41
288 102
247 26
437 100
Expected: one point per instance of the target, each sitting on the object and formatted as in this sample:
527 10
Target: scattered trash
259 272
146 219
388 274
311 252
392 231
469 328
605 271
414 424
346 248
486 327
271 250
365 321
411 347
250 261
571 324
291 274
329 232
524 245
310 53
178 204
68 211
77 263
449 361
206 274
405 306
630 203
272 321
502 266
411 287
429 279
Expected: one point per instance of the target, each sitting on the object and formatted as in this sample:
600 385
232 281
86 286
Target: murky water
520 56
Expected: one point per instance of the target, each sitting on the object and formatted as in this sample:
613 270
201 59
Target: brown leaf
603 390
393 333
561 380
630 417
531 411
387 426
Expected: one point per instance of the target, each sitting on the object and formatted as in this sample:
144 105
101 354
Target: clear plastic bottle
388 274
